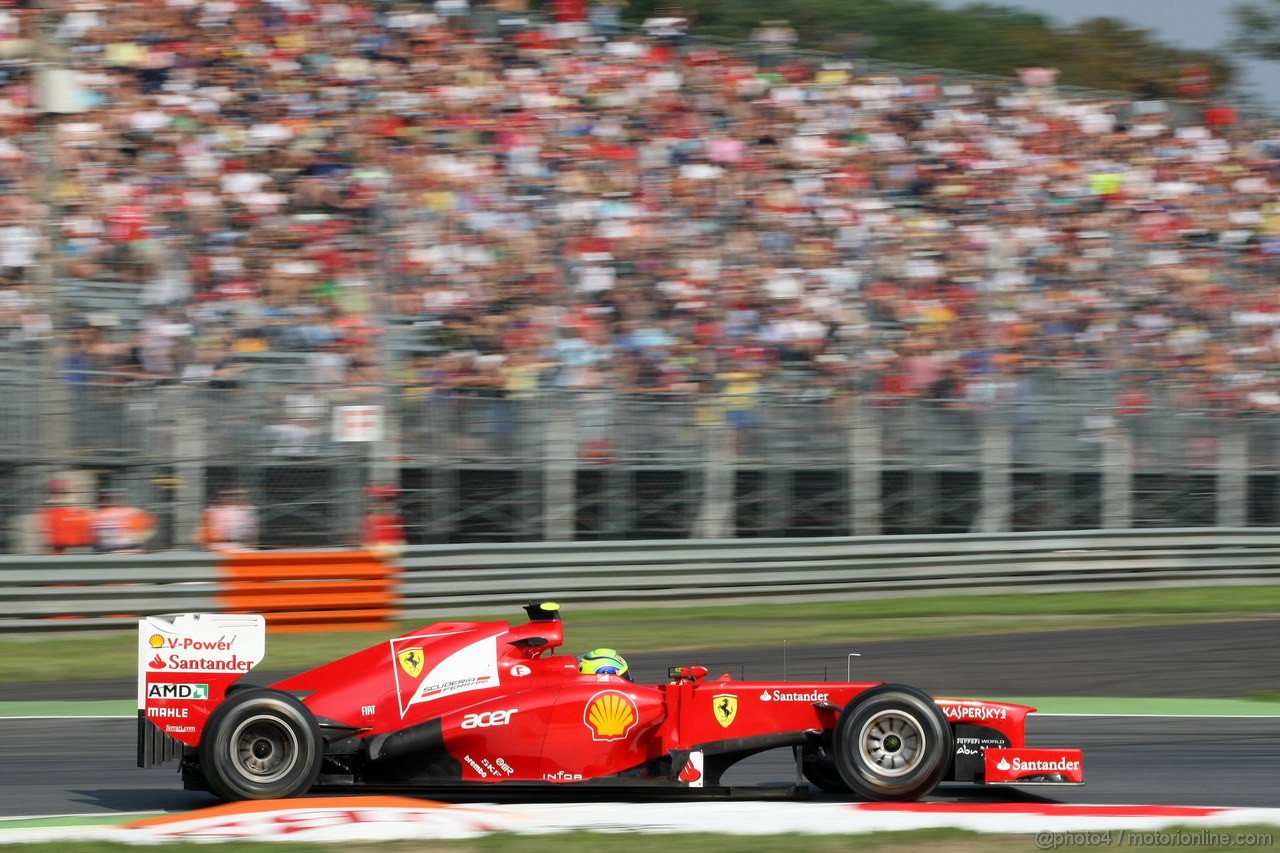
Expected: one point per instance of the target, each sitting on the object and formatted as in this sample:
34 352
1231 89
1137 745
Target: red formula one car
466 704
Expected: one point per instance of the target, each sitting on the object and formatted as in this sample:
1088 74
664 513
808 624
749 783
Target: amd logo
178 691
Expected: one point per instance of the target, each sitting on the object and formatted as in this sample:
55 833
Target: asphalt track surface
70 766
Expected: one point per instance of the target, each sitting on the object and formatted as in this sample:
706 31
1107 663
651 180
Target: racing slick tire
261 744
892 743
819 768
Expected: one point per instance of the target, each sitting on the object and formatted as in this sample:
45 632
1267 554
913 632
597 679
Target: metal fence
1061 454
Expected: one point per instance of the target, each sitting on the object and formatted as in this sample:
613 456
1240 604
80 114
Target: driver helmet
603 662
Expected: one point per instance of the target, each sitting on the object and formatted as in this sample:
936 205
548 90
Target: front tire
261 744
892 743
819 768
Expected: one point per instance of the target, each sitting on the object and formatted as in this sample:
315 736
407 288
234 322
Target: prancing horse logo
411 661
725 707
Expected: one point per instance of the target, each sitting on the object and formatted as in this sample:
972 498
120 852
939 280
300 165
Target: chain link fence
1056 452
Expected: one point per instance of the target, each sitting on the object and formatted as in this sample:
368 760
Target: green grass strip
76 708
1161 707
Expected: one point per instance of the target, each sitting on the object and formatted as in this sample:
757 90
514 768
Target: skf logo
411 661
725 707
610 715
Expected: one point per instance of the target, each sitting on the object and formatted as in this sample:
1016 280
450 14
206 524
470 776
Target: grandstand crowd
531 202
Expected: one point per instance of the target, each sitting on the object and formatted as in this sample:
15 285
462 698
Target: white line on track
72 717
110 815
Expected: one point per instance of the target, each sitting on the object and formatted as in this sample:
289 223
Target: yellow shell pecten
611 715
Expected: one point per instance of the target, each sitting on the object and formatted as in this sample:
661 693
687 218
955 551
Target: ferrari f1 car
468 704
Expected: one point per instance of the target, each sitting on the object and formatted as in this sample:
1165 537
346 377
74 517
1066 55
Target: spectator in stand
18 245
120 528
453 12
739 391
127 227
239 160
606 17
231 524
774 41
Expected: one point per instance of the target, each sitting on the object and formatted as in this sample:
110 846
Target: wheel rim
264 749
892 743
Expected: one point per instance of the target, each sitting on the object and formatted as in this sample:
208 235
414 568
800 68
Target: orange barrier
310 590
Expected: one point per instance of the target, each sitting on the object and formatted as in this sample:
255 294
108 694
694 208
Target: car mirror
686 673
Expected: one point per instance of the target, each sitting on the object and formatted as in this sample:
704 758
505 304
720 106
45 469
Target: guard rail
474 578
95 592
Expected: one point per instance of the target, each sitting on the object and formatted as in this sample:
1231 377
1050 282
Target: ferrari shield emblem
725 707
411 661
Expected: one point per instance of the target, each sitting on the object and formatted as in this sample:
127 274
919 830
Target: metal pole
866 466
384 468
559 472
996 455
190 449
52 445
1233 474
1117 479
715 520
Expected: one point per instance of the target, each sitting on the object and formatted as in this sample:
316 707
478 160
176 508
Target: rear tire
261 744
892 743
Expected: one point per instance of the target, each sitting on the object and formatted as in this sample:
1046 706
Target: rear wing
186 663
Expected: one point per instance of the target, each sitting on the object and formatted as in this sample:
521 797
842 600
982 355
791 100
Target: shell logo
610 715
156 641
